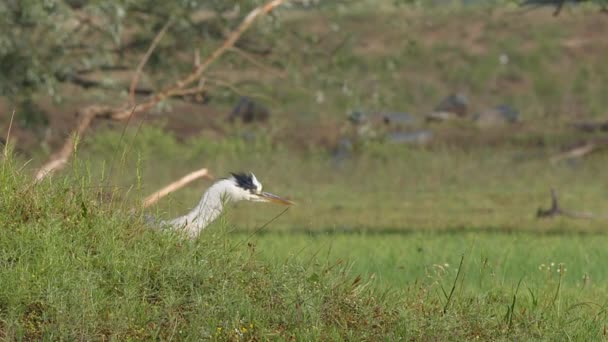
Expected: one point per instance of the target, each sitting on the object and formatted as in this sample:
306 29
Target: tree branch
257 63
59 159
144 60
580 151
178 184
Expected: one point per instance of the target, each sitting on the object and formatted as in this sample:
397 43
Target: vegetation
388 241
46 43
76 265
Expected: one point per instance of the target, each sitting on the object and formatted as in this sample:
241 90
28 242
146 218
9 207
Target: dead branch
200 69
144 60
91 83
257 63
125 111
556 210
60 158
576 152
218 83
580 151
178 184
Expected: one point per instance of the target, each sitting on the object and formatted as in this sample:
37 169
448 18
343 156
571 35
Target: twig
178 184
259 229
556 210
255 62
61 158
91 83
232 87
144 60
8 135
575 152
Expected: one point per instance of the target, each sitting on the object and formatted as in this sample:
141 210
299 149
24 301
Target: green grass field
76 268
372 259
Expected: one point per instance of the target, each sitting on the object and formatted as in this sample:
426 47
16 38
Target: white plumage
238 187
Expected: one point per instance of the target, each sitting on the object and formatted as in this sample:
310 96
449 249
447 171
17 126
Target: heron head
248 188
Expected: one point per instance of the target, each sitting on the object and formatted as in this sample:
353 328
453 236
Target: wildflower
243 330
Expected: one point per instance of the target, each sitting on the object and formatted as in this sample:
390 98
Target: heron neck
206 211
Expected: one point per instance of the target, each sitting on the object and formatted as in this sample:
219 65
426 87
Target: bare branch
574 153
180 87
232 87
581 151
200 69
257 63
144 60
61 158
192 91
178 184
90 83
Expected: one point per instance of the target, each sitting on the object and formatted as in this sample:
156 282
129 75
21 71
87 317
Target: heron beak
268 197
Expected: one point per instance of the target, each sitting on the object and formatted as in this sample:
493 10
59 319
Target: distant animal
248 111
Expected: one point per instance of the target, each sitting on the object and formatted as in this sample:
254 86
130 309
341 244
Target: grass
394 242
380 187
492 259
368 253
75 267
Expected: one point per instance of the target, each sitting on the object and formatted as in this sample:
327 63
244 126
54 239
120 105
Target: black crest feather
244 180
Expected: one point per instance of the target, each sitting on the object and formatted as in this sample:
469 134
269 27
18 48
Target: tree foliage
46 42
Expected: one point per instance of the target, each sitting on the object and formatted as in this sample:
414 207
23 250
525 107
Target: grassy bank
73 267
76 264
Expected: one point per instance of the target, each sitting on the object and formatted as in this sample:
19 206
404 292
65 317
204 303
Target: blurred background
377 117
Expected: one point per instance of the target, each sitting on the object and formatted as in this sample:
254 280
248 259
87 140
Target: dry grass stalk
8 135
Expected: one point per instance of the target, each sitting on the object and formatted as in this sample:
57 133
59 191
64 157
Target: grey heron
237 187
